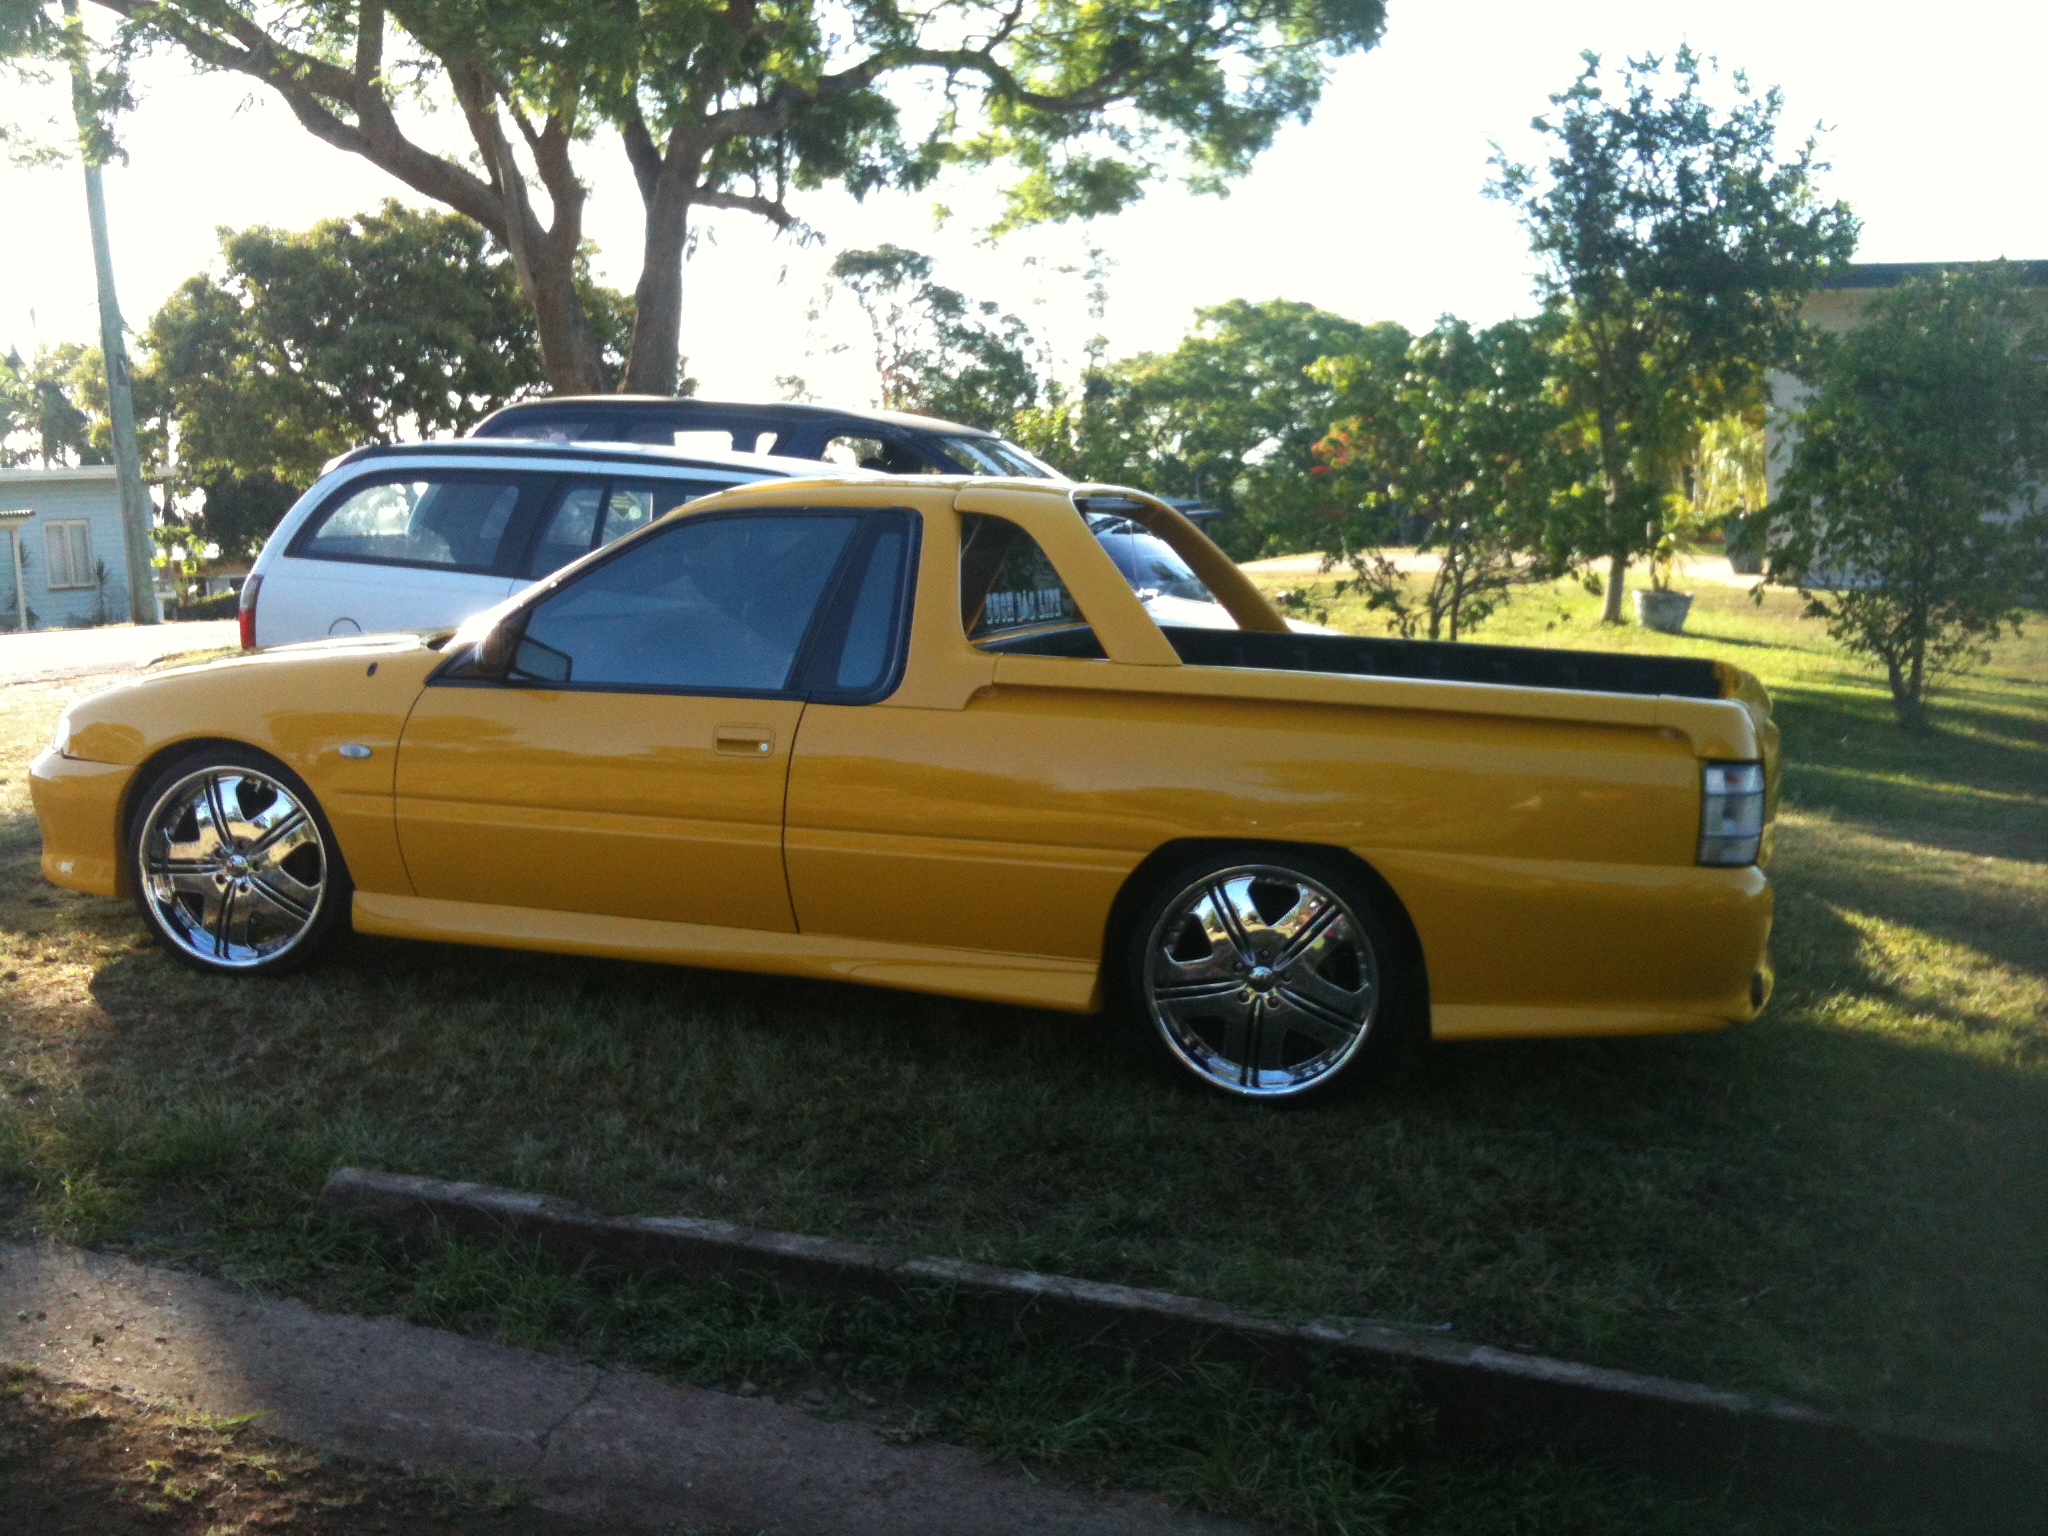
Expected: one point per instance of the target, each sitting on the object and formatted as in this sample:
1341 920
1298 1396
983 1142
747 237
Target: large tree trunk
543 255
568 345
653 365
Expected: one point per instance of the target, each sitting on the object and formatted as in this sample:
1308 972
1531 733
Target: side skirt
1071 986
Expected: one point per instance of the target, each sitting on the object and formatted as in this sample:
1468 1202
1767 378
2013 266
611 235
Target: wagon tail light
1731 813
246 612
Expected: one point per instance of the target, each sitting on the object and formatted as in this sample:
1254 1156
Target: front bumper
78 807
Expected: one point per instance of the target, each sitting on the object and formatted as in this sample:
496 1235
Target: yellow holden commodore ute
923 733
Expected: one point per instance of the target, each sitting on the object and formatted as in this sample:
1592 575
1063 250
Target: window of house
67 554
1007 582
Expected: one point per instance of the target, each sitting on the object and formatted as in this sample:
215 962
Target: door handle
745 740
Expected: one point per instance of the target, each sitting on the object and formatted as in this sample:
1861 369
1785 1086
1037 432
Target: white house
1838 305
61 560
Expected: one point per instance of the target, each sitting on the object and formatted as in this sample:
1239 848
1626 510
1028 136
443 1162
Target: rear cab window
1012 597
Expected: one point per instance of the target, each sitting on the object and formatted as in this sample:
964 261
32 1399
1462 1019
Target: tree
733 105
936 351
1677 244
53 410
1911 517
358 330
1463 445
1230 417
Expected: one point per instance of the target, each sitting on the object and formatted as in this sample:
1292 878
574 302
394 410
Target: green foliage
358 330
1912 517
53 410
1677 244
36 38
1230 418
1462 446
735 106
936 351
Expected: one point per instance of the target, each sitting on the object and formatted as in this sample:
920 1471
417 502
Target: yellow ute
922 733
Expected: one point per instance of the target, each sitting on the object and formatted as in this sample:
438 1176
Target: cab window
1011 595
713 605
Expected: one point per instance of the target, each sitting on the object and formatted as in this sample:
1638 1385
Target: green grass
1846 1202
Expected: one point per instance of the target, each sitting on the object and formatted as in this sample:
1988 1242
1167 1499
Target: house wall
89 493
1840 307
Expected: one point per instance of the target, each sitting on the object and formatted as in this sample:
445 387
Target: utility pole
135 506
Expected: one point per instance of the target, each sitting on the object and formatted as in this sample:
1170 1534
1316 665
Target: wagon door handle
746 740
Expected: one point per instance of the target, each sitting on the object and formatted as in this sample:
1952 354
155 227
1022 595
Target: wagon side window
1011 595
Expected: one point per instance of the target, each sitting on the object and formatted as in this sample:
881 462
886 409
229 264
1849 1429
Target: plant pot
1662 611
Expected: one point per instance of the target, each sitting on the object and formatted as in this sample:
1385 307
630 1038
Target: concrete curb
1479 1394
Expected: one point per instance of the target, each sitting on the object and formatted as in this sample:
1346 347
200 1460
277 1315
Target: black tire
1195 979
264 897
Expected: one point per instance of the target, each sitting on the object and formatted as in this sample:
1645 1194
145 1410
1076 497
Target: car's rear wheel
235 867
1263 975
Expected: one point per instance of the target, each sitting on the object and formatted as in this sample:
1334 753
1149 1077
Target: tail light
246 612
1731 813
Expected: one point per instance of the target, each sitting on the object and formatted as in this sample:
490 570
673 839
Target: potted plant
1661 608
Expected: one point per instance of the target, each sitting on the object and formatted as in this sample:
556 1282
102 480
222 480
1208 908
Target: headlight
60 739
1731 813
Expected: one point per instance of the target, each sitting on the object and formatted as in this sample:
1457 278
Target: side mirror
495 651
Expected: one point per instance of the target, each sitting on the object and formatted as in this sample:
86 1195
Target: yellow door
654 805
631 761
973 822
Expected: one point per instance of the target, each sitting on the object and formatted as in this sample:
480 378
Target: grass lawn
1846 1202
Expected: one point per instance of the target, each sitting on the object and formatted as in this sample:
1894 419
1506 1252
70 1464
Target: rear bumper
1519 947
78 807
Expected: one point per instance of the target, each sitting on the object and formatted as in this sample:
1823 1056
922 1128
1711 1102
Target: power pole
135 506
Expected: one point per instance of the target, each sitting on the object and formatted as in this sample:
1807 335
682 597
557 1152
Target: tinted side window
870 644
876 453
717 604
589 514
1006 581
455 523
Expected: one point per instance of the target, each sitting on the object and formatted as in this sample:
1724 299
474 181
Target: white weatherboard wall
31 500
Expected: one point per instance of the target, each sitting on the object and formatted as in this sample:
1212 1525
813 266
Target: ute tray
1446 661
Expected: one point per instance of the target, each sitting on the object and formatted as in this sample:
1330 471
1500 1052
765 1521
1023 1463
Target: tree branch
769 208
319 93
641 152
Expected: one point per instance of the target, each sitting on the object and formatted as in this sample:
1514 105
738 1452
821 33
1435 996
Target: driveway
70 652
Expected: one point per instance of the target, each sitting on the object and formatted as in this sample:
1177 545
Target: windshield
996 456
1148 562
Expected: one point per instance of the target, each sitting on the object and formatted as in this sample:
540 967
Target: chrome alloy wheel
1261 980
232 866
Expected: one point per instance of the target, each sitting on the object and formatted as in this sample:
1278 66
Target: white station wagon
422 535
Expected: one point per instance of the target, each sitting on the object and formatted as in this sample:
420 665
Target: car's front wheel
235 866
1263 976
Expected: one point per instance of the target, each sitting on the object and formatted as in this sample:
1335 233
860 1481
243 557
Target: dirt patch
75 1462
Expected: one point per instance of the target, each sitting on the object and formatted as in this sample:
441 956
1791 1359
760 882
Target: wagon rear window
455 524
1006 581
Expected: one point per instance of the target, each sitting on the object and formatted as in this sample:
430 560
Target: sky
1930 118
